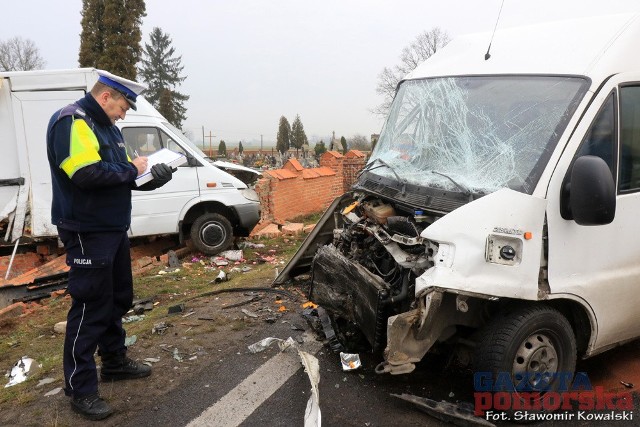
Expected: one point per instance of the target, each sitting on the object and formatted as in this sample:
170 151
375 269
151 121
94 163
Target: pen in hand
135 153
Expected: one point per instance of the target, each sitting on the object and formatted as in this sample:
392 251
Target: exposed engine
368 272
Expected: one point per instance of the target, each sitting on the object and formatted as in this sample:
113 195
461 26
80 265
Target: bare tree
425 45
18 54
359 142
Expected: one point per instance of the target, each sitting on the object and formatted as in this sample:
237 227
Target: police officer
92 179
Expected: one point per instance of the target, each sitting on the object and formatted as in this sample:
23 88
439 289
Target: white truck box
201 201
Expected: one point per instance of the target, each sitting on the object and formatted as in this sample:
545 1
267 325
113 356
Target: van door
600 265
158 211
32 111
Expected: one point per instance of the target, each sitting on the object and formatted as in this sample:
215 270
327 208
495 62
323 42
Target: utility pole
261 144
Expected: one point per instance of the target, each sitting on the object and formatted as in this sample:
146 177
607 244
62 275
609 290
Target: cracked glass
475 134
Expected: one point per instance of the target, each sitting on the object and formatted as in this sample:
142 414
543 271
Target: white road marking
233 408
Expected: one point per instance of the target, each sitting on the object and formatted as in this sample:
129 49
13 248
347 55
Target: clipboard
170 158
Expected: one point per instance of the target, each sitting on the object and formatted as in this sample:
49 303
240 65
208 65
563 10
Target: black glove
161 173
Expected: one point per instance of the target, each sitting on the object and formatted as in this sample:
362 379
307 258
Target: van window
146 140
600 139
629 178
481 133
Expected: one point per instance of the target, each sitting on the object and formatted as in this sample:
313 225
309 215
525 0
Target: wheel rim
213 234
537 359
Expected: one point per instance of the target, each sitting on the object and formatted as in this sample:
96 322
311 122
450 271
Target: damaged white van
497 217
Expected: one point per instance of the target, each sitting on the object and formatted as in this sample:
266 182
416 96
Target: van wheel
534 348
211 233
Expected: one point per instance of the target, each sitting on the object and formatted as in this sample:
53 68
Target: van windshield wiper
465 190
370 167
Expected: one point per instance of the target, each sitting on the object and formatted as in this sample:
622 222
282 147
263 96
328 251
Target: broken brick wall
294 191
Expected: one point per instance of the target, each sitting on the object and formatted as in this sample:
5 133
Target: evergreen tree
161 71
240 148
343 142
283 138
111 35
298 137
222 149
319 148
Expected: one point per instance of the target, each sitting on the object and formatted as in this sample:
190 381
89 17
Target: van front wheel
530 350
211 233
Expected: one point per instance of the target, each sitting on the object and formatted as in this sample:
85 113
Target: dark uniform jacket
91 172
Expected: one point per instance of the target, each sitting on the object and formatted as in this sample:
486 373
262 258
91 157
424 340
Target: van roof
596 47
75 78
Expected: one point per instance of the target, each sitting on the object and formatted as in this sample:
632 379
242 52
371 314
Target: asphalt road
270 388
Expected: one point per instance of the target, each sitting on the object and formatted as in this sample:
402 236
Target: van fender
586 309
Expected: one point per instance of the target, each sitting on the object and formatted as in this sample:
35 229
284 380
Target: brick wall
294 191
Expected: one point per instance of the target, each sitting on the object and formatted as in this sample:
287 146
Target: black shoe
91 406
116 368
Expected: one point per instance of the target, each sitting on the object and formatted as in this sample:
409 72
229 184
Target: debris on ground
175 309
22 369
457 414
60 327
129 341
160 328
45 381
350 361
53 392
233 255
312 414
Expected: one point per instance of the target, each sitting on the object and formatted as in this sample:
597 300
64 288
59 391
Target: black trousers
101 287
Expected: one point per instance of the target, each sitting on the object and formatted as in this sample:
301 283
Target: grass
32 335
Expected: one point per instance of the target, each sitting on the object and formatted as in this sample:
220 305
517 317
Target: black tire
211 233
535 341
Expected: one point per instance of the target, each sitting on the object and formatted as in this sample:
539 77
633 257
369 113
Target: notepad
170 158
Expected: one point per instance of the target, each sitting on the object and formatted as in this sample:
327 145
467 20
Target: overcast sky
249 62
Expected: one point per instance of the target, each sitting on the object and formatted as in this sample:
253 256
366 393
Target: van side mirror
591 192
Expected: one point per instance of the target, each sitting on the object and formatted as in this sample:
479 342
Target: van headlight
250 194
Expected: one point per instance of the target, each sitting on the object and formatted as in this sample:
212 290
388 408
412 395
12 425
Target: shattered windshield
475 134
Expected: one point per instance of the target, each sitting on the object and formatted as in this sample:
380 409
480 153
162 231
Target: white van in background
201 202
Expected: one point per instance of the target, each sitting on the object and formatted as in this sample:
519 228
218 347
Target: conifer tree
222 148
240 148
111 35
343 142
298 137
161 71
283 139
319 148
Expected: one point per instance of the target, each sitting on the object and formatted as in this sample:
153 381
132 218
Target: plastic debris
45 381
249 313
21 370
312 414
350 361
222 277
266 342
232 255
309 304
251 245
160 328
60 327
129 341
152 359
219 261
246 268
53 392
130 319
176 355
